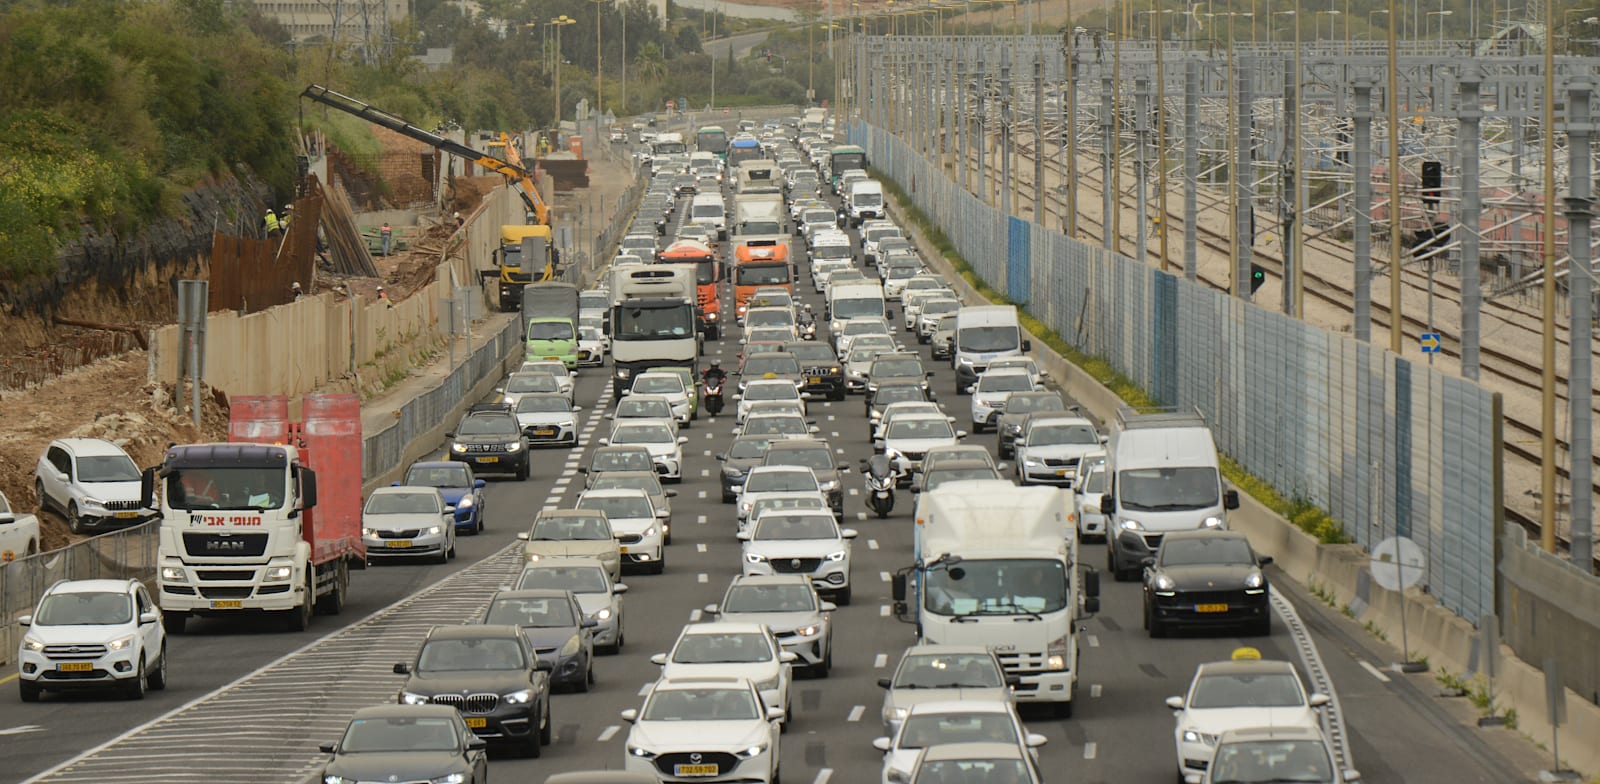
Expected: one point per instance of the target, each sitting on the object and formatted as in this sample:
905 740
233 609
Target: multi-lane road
249 703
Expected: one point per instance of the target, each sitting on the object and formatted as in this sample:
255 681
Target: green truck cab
550 322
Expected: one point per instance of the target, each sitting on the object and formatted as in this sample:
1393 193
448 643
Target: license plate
488 459
127 515
398 544
1063 472
227 604
815 379
75 667
477 722
624 551
554 359
544 432
1211 608
695 770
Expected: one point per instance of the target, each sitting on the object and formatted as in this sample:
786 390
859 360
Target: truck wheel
333 602
1064 709
299 618
173 622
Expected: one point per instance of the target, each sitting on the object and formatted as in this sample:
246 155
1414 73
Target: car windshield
540 613
658 385
949 671
107 468
983 339
760 274
819 459
1278 689
769 599
488 426
565 529
403 503
701 705
896 367
756 367
932 729
550 330
621 460
768 318
896 394
778 334
618 507
780 482
438 476
1095 480
784 391
920 428
577 579
936 478
902 271
855 327
539 404
792 527
997 587
747 448
643 409
1022 404
932 307
722 648
811 352
1167 489
1276 761
1051 435
961 771
1004 382
818 216
471 654
617 481
100 608
532 382
775 426
642 434
768 505
392 735
1207 551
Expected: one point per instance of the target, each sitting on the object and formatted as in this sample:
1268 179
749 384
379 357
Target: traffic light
1258 276
1432 182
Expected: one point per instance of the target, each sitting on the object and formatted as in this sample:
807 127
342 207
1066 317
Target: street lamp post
599 102
1272 26
558 23
1441 14
1332 36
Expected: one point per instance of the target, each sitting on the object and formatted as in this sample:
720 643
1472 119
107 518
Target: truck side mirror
1027 345
308 488
1108 504
1230 499
1091 583
897 587
147 488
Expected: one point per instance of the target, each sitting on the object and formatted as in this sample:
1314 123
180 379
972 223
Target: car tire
135 687
1263 627
444 554
39 495
74 518
158 679
836 396
728 499
522 472
547 733
532 747
1152 624
478 529
588 677
977 427
842 598
659 566
28 691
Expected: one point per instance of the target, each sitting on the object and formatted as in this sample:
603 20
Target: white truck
653 321
983 334
997 566
1165 477
864 202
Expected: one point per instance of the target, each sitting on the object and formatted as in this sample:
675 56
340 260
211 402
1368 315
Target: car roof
547 514
779 469
610 475
789 444
89 447
1245 667
771 382
439 464
1286 732
615 492
533 593
92 586
564 561
946 650
404 711
405 490
1068 417
962 464
699 681
1206 533
771 579
473 632
965 751
961 706
724 627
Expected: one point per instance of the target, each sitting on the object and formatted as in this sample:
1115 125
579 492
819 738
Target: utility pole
1392 99
1580 335
1361 228
1469 222
1548 502
1191 165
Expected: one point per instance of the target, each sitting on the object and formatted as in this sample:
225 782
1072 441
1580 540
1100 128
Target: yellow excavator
536 237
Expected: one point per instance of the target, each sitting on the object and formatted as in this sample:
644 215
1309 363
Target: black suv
492 676
490 440
820 367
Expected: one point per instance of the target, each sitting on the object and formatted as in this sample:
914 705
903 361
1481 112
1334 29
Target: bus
744 148
712 139
708 273
842 159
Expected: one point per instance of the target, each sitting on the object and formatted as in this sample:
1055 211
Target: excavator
534 239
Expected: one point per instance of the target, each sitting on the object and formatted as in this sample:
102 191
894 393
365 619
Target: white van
708 209
864 201
984 334
854 300
1165 477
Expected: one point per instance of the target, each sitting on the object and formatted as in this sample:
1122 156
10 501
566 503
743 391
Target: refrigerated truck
652 320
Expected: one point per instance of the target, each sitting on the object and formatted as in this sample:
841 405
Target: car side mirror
402 669
544 665
1108 504
882 744
589 623
627 392
849 533
577 408
450 434
683 440
1317 700
476 743
828 607
788 657
671 493
961 434
712 609
659 659
328 748
604 442
743 536
1176 703
1265 560
1034 740
630 715
776 714
145 619
619 588
1230 499
499 390
813 429
25 620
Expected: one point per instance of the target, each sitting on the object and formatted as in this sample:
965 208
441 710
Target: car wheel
547 733
1263 627
842 598
39 496
836 396
1111 561
658 567
1153 624
728 499
134 688
1064 709
531 747
74 519
588 676
28 691
444 554
158 679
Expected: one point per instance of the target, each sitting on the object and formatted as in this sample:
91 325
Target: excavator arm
511 171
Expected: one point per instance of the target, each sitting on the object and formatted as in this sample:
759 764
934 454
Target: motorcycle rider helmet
716 363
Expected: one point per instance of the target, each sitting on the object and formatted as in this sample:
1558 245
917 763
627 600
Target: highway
283 694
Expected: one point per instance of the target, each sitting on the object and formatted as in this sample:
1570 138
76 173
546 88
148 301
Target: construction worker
296 292
383 296
387 234
287 215
270 224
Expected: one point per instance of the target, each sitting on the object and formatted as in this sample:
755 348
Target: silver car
789 605
940 673
586 578
408 521
1050 447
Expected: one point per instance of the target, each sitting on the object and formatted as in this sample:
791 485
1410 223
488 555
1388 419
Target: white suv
89 634
93 483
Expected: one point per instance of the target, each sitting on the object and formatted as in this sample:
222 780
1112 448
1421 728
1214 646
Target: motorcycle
881 476
711 397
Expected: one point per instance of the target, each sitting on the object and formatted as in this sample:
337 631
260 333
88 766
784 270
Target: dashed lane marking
1094 641
1094 690
700 547
855 713
608 733
884 576
883 610
701 519
880 661
702 494
702 578
1090 749
695 615
872 544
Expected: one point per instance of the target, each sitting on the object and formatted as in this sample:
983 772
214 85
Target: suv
489 439
492 676
89 634
820 367
93 483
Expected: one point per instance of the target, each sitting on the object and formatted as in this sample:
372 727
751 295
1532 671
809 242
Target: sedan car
598 595
764 390
929 316
1206 578
768 480
1017 407
1052 445
572 533
777 426
555 367
991 763
711 729
635 524
745 453
804 543
787 604
885 394
548 419
489 439
990 392
658 436
650 483
941 673
1227 695
92 635
906 439
407 743
91 482
931 724
857 328
506 686
408 522
1273 753
1022 363
815 454
1094 480
617 458
555 626
740 650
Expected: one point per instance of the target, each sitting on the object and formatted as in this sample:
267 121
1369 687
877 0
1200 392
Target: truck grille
74 651
1022 663
795 565
668 763
225 545
476 703
225 592
224 575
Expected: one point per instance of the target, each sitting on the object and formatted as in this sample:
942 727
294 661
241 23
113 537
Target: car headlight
829 486
175 574
458 448
744 509
434 530
32 644
332 779
572 646
1211 522
465 502
834 370
768 684
1030 462
1254 580
1164 583
453 778
279 573
368 532
751 751
411 698
808 631
1190 736
836 557
641 752
120 643
1131 525
519 697
649 532
509 400
514 446
755 558
604 614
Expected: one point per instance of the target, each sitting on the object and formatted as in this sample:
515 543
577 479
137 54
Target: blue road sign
1430 343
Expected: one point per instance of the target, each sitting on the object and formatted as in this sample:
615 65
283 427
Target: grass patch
1372 629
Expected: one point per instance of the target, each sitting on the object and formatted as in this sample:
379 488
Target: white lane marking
700 548
565 480
702 578
608 733
823 776
883 610
855 713
1089 749
705 472
880 661
872 544
1374 671
855 491
835 433
696 615
707 453
645 689
830 417
701 519
884 576
552 500
840 451
861 515
1094 690
702 494
1094 641
24 729
710 436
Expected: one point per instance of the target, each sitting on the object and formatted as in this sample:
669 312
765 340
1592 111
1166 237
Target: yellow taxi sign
1246 653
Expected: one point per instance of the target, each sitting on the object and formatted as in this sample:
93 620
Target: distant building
358 20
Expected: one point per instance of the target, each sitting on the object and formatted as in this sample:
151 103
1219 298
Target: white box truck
997 566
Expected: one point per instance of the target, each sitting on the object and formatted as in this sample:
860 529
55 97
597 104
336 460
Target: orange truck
707 275
760 263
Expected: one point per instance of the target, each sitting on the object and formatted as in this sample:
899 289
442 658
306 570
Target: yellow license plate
75 667
127 515
398 544
1211 608
624 551
226 604
815 379
553 359
544 432
488 459
477 722
1063 472
695 770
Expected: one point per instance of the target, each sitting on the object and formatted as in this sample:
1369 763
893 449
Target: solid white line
1374 671
702 578
872 544
880 661
823 776
608 733
1089 749
855 713
1094 690
1094 641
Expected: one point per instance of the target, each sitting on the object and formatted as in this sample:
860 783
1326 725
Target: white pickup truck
19 533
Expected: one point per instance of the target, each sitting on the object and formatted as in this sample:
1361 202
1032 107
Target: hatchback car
463 492
789 605
530 383
941 673
548 419
555 367
572 533
408 522
642 407
407 743
492 676
906 439
764 390
708 729
91 482
804 543
817 455
598 595
555 626
617 458
90 635
650 483
1206 578
740 650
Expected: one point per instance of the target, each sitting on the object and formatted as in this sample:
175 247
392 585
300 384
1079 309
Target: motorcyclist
714 375
807 322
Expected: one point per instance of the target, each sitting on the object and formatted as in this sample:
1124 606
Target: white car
19 533
709 729
786 425
762 390
642 407
1092 483
409 522
906 408
93 634
1052 446
768 480
1298 754
788 605
929 314
936 723
859 327
785 503
669 385
907 439
659 437
533 382
823 269
1228 695
93 483
805 543
1025 364
554 367
989 394
593 346
598 595
634 522
739 650
548 419
911 302
941 673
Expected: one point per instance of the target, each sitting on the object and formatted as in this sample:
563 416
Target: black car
814 454
907 392
1206 578
555 626
820 367
1016 409
745 453
901 367
407 743
490 440
492 676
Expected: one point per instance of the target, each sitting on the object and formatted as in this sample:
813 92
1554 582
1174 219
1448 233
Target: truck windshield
550 330
749 274
669 148
1002 587
755 227
1167 489
846 309
216 487
705 272
986 339
663 322
831 252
